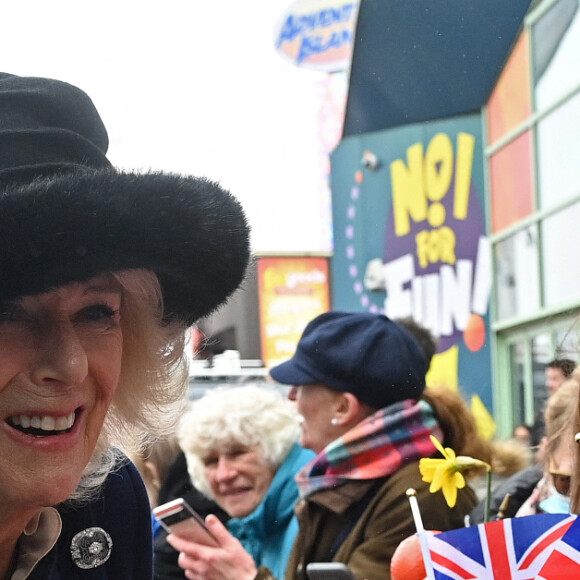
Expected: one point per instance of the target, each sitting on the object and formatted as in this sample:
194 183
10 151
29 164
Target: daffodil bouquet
446 474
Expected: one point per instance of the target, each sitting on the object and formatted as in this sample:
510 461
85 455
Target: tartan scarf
376 447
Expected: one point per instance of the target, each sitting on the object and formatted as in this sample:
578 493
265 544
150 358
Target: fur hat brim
70 227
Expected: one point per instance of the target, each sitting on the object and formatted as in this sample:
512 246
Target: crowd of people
368 419
103 271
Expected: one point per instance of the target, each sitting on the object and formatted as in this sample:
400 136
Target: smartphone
179 518
329 571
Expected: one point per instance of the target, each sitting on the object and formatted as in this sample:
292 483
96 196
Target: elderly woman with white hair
241 445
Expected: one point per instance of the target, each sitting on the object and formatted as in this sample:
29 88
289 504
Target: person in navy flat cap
101 272
357 380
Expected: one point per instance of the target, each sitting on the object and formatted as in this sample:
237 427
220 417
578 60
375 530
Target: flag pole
412 495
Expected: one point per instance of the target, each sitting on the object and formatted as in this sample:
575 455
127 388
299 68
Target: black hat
67 215
365 354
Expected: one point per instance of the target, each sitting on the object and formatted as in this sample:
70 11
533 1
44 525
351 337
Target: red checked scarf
375 447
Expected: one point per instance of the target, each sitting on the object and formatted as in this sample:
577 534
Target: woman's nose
61 357
225 469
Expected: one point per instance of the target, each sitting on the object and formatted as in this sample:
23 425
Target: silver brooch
91 548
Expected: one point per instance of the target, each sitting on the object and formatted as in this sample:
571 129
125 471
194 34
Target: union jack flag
564 561
509 549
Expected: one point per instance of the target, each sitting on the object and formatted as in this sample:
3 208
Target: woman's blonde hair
249 415
153 380
571 417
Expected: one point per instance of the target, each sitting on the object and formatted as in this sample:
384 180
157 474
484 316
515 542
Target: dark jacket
177 483
520 486
375 530
122 511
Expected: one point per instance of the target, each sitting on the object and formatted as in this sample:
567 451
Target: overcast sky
194 87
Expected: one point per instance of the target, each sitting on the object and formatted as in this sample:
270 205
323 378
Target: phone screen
329 571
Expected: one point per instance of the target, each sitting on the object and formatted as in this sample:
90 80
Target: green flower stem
488 497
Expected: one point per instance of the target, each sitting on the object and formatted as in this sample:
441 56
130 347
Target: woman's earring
334 421
577 438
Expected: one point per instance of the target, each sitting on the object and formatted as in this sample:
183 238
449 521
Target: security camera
370 160
375 275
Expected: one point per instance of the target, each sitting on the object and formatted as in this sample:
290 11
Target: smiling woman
101 274
241 445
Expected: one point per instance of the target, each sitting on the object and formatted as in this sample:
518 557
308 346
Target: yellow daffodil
445 474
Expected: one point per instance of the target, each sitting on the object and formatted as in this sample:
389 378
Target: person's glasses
560 480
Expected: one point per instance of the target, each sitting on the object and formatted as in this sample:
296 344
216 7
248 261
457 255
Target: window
516 274
510 172
528 350
560 245
555 46
559 154
533 165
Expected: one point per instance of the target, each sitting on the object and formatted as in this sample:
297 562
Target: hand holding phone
179 518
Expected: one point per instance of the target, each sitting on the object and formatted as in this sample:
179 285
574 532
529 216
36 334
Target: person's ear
348 410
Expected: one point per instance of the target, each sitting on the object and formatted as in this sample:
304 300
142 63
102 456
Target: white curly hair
248 414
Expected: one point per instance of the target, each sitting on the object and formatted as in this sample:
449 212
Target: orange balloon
407 561
474 333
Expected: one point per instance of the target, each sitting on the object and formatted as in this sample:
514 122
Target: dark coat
520 486
377 530
177 483
122 510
